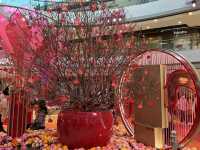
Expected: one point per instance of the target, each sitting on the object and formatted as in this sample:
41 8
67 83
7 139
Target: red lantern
50 120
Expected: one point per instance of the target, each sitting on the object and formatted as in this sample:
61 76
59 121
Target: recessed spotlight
155 20
180 22
148 27
194 4
190 13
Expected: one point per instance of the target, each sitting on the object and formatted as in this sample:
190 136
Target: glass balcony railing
183 43
124 3
137 2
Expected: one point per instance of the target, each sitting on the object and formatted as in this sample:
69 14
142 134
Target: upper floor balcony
151 9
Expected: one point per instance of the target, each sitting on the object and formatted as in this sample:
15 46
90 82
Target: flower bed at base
47 140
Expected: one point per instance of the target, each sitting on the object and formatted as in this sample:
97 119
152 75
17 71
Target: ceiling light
155 20
114 20
190 13
194 4
180 22
148 27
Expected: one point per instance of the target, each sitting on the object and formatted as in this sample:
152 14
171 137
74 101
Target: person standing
1 125
41 112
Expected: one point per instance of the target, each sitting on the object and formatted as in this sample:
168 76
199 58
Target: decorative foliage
77 54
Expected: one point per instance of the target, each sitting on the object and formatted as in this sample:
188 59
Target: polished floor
195 144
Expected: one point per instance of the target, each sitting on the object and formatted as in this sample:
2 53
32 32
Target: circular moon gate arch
186 128
181 94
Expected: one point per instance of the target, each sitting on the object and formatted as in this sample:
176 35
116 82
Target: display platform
47 140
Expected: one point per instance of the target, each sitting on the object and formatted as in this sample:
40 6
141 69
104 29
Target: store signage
180 32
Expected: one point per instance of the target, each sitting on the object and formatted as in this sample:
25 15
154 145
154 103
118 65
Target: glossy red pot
85 129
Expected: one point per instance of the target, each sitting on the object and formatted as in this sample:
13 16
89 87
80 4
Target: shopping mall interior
99 75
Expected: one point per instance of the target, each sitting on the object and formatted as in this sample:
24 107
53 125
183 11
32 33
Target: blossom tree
73 53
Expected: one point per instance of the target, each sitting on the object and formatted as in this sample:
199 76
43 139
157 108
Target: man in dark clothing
41 112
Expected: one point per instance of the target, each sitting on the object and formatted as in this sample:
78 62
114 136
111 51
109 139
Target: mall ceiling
112 3
191 19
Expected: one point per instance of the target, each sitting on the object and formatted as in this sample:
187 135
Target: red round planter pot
85 129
